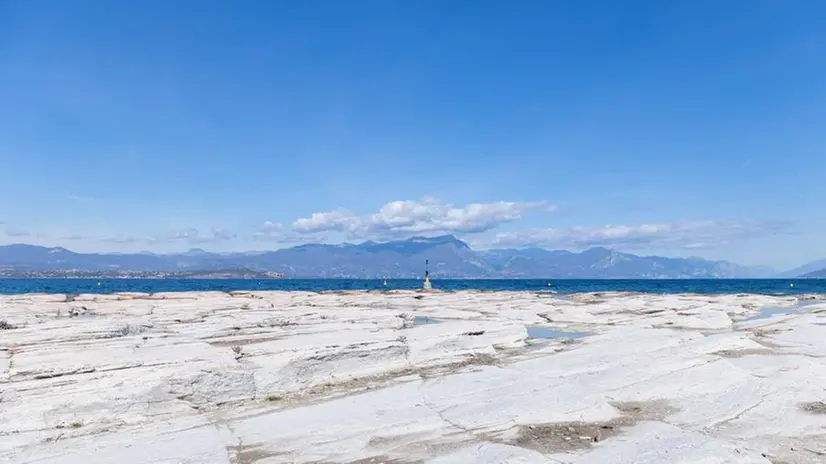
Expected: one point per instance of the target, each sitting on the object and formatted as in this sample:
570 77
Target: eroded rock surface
407 377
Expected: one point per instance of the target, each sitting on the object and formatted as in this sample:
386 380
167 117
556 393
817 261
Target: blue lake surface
561 286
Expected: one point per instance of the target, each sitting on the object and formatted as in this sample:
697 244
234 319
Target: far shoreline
556 288
436 278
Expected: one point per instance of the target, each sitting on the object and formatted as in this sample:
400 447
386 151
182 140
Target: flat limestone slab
393 377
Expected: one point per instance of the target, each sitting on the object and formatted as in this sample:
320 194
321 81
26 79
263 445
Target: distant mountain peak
195 252
597 251
439 239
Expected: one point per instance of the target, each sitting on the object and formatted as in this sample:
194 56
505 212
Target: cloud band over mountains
679 235
477 222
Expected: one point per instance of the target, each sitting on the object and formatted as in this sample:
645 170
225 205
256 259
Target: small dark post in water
426 285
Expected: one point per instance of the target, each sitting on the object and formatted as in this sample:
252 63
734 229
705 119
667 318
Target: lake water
561 286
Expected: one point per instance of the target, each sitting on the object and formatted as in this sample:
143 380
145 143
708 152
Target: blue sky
676 128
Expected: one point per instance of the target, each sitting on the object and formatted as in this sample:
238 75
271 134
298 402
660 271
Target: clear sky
670 127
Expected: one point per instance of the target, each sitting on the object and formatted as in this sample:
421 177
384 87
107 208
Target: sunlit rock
271 377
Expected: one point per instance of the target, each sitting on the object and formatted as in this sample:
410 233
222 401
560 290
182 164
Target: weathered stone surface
282 377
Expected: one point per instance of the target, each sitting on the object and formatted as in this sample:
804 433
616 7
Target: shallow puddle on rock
424 320
769 311
546 333
711 333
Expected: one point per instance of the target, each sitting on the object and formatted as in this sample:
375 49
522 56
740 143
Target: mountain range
448 257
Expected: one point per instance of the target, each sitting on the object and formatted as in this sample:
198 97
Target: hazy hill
819 274
804 270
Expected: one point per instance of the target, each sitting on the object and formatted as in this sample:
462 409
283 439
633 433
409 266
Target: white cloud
121 239
221 234
15 232
322 222
190 235
181 234
74 237
277 233
685 235
270 232
426 217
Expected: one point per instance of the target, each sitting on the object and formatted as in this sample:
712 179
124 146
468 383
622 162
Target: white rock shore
408 377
